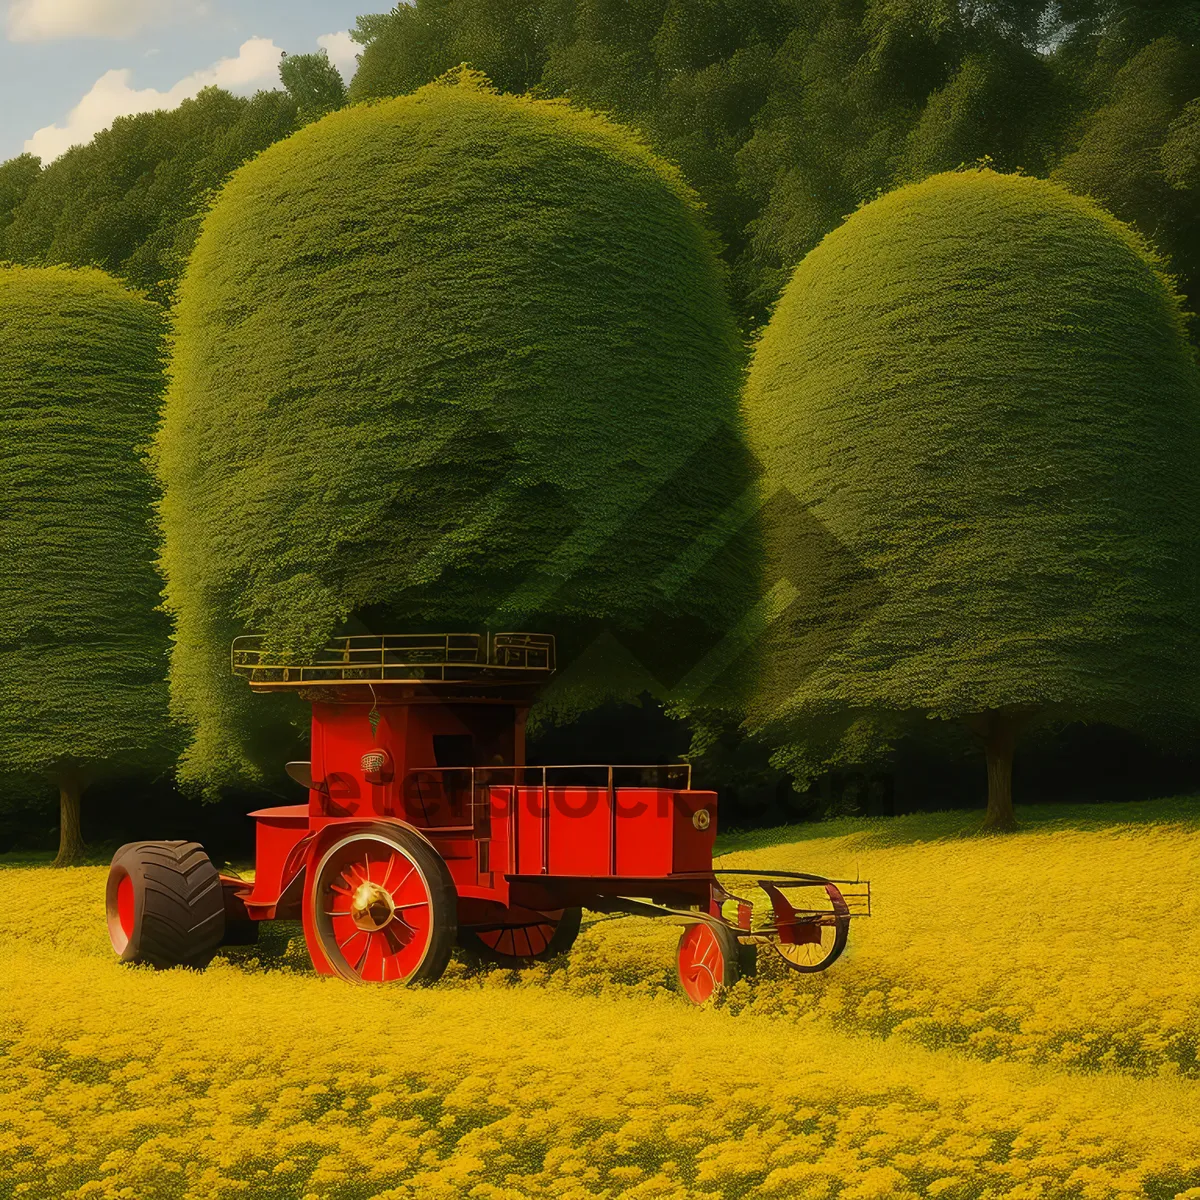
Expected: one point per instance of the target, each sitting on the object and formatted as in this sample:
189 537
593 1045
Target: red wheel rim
125 905
121 906
701 963
373 911
523 941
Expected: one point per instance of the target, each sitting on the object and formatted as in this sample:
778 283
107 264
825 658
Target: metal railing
677 776
399 658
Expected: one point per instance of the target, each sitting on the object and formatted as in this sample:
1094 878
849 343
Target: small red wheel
523 936
707 960
817 946
382 907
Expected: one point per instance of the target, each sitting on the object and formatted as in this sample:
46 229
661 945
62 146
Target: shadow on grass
941 826
280 946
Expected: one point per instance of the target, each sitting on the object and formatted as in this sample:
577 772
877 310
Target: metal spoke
390 868
407 876
362 958
392 937
342 945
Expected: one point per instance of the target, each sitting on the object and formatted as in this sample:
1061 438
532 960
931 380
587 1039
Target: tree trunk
999 733
70 835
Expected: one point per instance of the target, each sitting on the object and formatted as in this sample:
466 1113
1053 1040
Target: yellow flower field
1069 952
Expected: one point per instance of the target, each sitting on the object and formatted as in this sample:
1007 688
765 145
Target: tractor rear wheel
164 904
707 961
523 936
381 907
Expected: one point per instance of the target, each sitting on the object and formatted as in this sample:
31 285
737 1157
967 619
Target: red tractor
424 828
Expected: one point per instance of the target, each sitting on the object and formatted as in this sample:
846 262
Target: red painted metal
440 750
125 905
393 951
527 934
701 963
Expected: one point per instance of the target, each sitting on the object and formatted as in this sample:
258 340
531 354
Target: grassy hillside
1067 949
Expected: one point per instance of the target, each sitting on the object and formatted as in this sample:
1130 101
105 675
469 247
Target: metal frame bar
399 658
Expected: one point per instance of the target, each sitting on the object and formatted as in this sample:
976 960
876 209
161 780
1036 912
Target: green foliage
453 359
785 117
126 201
314 83
83 653
17 176
1181 150
1008 100
977 397
1127 148
418 42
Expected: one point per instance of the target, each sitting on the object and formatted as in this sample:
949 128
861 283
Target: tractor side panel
340 735
578 838
693 836
277 831
580 831
644 830
657 834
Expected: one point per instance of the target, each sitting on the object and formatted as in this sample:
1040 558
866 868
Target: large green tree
83 651
314 83
17 176
482 371
416 43
786 117
978 402
1131 153
127 200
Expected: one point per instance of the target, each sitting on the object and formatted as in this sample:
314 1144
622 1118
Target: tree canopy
980 393
314 83
455 358
786 117
127 200
82 647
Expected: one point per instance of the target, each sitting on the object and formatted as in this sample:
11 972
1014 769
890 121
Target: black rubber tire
442 895
563 938
178 909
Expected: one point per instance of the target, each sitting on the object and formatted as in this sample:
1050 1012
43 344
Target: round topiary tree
980 414
83 651
455 359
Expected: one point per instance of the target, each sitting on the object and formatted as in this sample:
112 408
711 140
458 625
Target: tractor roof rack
400 658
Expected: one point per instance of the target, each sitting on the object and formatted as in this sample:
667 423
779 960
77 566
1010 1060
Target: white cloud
341 51
255 66
44 20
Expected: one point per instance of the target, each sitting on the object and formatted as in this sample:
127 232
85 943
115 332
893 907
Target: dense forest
787 118
785 115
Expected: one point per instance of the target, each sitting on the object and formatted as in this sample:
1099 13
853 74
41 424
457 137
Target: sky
68 68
